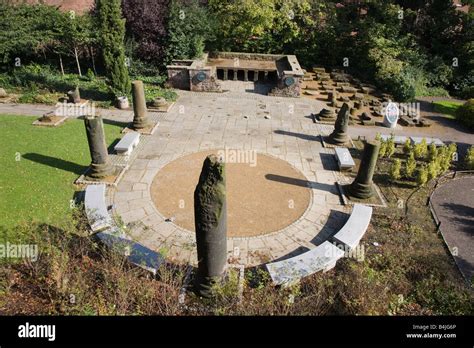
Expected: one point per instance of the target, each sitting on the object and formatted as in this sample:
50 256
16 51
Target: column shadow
57 163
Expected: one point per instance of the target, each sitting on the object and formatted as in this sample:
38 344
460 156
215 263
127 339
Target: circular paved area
453 203
204 121
264 193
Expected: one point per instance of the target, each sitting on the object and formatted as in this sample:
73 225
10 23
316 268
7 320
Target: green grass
39 166
447 107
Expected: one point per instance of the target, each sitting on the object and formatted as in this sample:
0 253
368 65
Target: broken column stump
74 96
210 219
100 166
140 114
363 187
339 136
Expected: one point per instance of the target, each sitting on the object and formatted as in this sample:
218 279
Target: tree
465 114
146 27
112 32
242 23
395 170
189 26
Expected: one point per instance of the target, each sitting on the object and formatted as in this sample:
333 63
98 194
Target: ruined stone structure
339 136
210 219
363 187
202 75
100 166
140 115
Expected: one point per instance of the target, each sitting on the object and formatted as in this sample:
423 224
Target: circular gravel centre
264 194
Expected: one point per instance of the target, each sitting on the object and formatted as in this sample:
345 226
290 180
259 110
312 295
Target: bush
469 160
407 147
410 165
422 176
390 147
421 149
395 170
465 114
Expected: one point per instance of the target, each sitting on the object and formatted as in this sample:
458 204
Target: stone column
255 76
235 75
339 135
140 117
74 96
100 166
265 76
330 96
362 186
210 219
226 74
246 75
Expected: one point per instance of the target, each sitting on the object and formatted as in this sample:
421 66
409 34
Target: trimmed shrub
465 114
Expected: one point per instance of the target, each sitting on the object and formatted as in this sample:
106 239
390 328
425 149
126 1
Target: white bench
321 258
418 140
397 139
355 227
344 158
96 209
126 145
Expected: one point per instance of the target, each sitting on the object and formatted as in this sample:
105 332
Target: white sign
391 115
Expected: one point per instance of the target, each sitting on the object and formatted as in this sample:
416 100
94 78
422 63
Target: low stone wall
204 80
246 56
178 76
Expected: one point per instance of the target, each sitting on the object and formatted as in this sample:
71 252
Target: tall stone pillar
246 75
235 74
226 74
100 166
339 135
362 187
140 117
210 219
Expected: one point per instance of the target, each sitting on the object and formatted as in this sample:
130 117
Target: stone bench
126 145
354 229
344 158
321 258
397 139
136 254
96 209
418 140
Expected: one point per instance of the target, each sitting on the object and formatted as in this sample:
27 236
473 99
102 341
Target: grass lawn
447 107
39 166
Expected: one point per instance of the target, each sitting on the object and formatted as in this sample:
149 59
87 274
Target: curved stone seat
136 254
354 229
324 256
321 258
96 209
112 236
